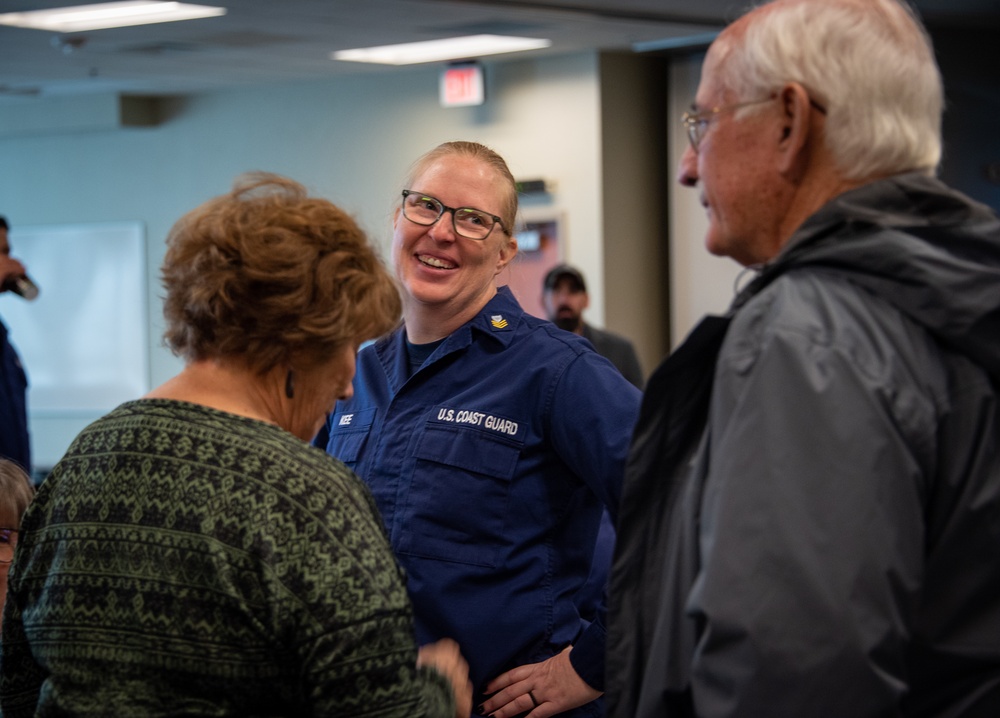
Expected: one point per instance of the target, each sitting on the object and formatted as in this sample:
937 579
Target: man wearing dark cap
564 297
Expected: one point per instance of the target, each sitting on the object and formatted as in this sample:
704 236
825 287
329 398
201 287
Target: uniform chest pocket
349 433
459 495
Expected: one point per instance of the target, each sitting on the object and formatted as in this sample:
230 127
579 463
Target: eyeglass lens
468 222
696 129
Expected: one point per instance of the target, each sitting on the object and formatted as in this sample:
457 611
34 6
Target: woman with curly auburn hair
191 554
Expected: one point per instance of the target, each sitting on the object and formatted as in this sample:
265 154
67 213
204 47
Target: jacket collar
923 247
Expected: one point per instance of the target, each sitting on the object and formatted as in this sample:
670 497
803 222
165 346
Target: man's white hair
869 63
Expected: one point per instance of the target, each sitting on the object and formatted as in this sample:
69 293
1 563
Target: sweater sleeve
360 656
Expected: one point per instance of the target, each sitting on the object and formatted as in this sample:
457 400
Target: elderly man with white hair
810 518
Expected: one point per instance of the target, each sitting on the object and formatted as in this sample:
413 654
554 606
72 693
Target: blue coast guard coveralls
490 466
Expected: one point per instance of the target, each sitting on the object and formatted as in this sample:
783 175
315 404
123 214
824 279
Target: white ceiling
269 41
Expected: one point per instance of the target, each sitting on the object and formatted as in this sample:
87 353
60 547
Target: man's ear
796 118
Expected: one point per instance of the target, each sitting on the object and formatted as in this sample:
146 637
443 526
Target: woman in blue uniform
491 441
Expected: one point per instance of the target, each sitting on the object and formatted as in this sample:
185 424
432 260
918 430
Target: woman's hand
445 657
539 689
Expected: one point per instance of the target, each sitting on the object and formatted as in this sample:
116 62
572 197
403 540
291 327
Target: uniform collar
497 321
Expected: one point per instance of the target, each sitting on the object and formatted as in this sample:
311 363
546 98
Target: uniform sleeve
361 657
595 410
811 534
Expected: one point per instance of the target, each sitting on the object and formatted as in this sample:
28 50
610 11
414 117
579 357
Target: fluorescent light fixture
82 18
453 48
683 42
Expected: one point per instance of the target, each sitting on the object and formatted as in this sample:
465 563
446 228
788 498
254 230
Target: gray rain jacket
810 522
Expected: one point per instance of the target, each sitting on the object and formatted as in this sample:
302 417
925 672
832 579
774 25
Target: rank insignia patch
498 321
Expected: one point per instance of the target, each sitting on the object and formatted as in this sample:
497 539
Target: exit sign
462 85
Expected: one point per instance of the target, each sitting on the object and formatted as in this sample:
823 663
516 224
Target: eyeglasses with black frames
696 121
468 222
7 545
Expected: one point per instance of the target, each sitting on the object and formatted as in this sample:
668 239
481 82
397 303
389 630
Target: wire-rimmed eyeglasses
468 222
696 121
6 545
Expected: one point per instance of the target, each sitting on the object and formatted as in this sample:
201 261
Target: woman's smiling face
440 270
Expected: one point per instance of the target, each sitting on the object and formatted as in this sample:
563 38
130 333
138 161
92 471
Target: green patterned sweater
184 561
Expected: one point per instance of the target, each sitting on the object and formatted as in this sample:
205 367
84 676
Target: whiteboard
84 340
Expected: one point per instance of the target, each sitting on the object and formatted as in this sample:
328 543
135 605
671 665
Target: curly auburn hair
266 275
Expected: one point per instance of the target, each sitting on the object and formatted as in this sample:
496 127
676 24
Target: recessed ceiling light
82 18
454 48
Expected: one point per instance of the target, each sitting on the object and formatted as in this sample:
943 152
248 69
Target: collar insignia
498 321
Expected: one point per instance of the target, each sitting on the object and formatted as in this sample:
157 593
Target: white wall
349 139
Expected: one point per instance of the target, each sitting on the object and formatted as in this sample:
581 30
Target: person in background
811 513
192 554
14 440
16 491
564 296
492 442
